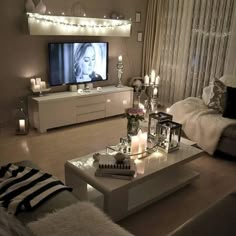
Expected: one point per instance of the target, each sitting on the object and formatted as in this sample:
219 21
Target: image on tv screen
73 63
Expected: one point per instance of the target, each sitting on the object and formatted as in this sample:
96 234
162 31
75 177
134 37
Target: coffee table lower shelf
125 201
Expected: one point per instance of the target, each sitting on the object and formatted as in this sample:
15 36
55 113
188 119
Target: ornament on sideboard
29 6
120 71
40 8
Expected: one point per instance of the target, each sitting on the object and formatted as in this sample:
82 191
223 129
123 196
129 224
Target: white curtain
189 46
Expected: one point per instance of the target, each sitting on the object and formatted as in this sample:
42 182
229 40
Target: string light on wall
68 25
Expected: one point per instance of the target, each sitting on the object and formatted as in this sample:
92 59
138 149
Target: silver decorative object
154 120
120 71
168 135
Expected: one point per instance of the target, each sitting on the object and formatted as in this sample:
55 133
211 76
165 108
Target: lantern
22 122
168 135
154 120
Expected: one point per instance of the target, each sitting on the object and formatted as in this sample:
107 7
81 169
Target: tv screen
74 63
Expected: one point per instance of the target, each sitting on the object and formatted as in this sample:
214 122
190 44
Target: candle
155 91
157 80
43 84
32 83
134 145
22 125
146 79
140 166
167 110
152 76
38 81
120 58
37 87
142 142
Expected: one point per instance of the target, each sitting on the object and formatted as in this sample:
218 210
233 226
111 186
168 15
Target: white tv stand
66 108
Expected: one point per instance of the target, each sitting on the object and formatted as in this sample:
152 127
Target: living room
25 56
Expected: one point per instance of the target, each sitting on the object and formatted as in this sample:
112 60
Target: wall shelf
70 25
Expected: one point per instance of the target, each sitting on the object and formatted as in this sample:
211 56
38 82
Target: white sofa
205 125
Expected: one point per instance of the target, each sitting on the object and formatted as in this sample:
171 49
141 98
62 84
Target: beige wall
24 56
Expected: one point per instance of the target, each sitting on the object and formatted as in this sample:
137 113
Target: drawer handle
108 100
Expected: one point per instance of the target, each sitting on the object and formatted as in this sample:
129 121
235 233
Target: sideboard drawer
84 101
91 108
90 116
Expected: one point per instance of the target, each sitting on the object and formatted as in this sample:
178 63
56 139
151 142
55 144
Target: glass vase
132 127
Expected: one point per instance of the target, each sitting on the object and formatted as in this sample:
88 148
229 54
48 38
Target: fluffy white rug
82 219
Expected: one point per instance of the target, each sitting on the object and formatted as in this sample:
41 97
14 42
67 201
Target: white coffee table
158 175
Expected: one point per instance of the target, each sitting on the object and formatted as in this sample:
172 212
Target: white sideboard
65 108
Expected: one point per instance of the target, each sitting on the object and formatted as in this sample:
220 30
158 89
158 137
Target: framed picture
140 36
138 17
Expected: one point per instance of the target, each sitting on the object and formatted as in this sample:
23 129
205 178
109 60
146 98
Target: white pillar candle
157 80
43 84
140 166
22 125
32 83
146 79
37 87
120 58
152 76
134 145
143 142
38 81
155 91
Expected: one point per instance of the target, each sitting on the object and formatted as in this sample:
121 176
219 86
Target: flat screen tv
78 62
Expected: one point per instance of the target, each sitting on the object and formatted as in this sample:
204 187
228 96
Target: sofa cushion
9 225
82 218
217 96
229 80
230 111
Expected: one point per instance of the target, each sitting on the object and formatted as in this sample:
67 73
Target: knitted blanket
23 188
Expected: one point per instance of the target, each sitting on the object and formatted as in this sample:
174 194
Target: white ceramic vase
40 8
29 6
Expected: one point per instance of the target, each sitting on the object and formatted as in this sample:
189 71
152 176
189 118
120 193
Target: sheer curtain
186 43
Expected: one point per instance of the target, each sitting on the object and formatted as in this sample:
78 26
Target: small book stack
109 167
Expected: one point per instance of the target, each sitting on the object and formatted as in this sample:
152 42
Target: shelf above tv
70 25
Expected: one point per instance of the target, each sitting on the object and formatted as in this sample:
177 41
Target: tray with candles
133 149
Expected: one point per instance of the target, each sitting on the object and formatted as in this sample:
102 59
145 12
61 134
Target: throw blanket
23 188
199 123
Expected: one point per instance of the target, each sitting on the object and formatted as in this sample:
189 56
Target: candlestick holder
120 72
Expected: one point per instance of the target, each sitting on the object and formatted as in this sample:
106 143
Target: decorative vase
132 127
41 8
29 6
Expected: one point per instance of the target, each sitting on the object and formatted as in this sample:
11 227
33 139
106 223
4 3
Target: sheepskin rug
82 219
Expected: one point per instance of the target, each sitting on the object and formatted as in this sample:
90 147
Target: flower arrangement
134 113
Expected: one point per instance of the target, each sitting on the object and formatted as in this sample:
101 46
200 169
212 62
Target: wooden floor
50 151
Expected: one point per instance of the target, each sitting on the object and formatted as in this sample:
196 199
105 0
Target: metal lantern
22 122
168 135
154 120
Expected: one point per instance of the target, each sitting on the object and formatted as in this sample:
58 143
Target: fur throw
80 219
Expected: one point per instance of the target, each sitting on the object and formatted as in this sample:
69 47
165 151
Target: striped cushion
23 188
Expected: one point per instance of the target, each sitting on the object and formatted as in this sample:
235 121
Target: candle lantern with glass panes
154 119
168 135
22 121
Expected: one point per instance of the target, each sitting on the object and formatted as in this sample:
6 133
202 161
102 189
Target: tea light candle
146 79
155 91
120 58
134 145
22 125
